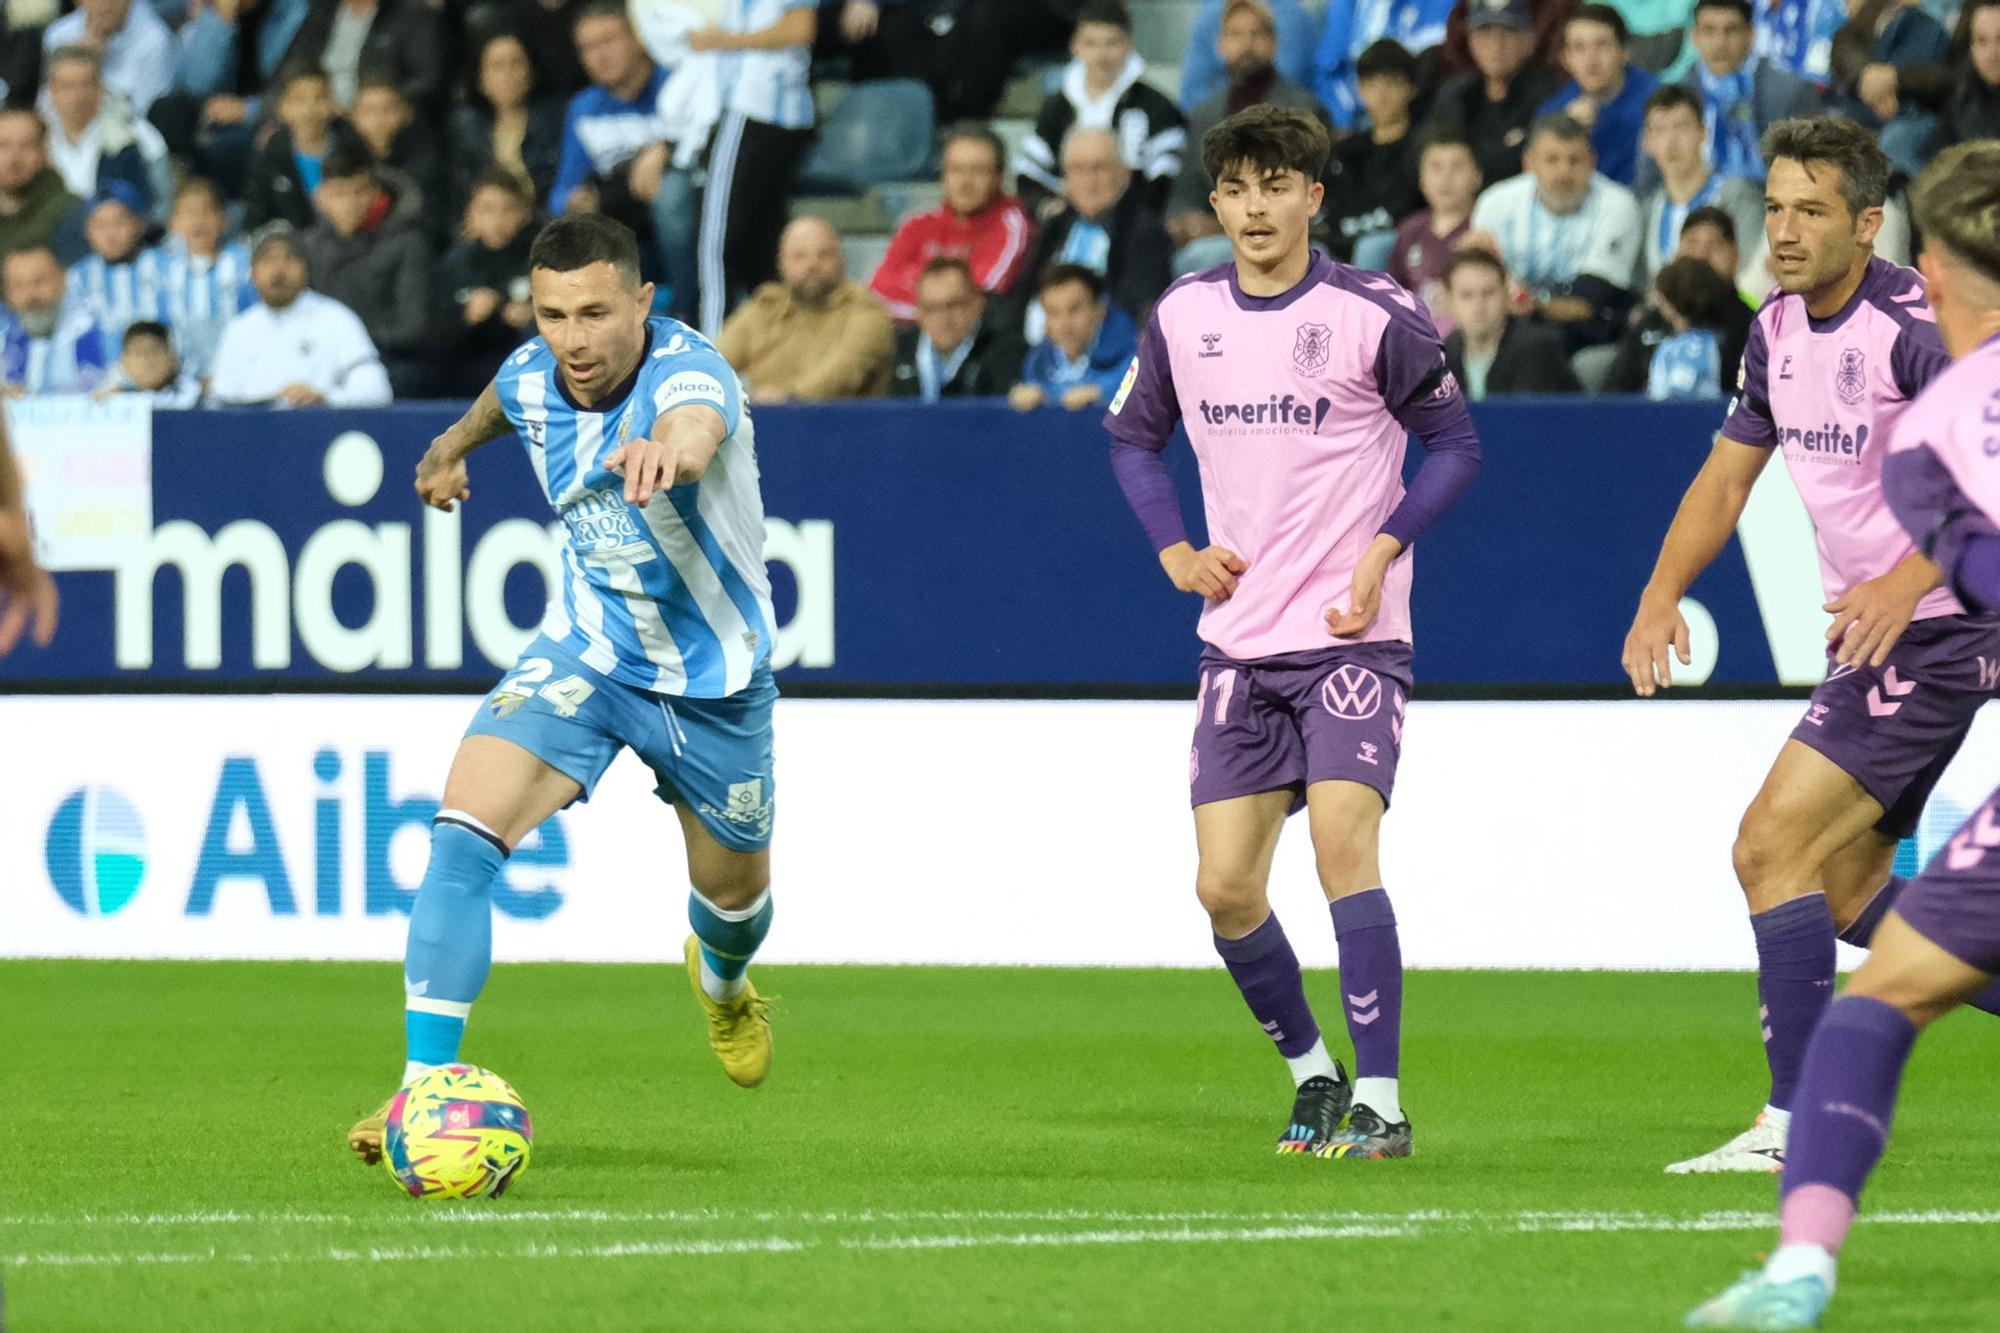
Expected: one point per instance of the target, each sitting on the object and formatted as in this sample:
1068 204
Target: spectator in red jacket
977 223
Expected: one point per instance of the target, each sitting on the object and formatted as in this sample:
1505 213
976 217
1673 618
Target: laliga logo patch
1125 386
1851 380
1352 692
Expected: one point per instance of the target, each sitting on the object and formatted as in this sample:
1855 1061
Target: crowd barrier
961 547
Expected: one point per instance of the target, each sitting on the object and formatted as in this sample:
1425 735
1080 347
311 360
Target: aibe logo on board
96 851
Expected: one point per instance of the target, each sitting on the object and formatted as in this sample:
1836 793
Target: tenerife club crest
1850 381
1312 347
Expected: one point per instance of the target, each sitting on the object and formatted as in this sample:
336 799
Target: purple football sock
1266 970
1861 933
1841 1121
1794 983
1371 980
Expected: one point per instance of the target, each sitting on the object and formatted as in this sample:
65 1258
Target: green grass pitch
937 1148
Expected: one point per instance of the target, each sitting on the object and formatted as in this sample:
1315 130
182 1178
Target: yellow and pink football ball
457 1132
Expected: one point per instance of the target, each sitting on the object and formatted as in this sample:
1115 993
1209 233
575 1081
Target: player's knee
1234 900
735 886
1765 859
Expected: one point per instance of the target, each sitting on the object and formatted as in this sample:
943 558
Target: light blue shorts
711 755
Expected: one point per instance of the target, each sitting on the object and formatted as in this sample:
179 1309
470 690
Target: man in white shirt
93 137
1569 235
136 46
295 347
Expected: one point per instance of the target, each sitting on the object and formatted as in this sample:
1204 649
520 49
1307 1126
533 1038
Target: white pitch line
1385 1226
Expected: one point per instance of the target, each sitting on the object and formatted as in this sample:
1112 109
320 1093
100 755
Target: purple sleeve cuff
1451 461
1149 488
1977 579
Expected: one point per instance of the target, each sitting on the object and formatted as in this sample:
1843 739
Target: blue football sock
450 949
729 939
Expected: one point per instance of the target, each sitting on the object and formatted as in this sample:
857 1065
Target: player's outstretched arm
27 593
679 449
1707 516
441 473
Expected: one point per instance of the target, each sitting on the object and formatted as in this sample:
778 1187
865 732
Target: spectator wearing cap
1448 178
147 365
46 345
1372 175
1414 25
1569 236
1492 105
1103 88
1205 71
1089 345
286 170
294 347
94 138
36 208
1247 44
368 251
203 275
1741 95
1493 352
814 334
135 45
482 310
115 282
1675 147
977 222
400 40
1105 224
949 352
1606 93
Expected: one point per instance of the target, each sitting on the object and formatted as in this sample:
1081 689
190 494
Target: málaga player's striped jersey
673 596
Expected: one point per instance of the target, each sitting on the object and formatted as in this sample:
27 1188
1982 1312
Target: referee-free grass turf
937 1148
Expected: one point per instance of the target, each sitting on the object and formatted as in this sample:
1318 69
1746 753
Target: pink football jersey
1957 422
1829 392
1298 408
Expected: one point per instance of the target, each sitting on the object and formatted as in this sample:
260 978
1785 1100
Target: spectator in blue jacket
1352 26
1090 342
1203 72
46 346
611 122
1606 93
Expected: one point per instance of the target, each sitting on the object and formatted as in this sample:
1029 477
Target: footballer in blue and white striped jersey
670 596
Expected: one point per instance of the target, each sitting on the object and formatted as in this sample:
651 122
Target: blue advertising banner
964 547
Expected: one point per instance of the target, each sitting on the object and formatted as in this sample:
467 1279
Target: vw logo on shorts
1352 692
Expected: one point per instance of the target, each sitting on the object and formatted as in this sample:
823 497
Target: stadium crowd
298 202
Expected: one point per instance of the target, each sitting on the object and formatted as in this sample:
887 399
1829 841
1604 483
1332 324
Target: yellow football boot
365 1139
739 1029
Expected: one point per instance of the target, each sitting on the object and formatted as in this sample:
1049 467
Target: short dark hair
1839 142
1446 139
1604 14
1558 125
1270 138
938 264
1708 215
146 328
200 185
1386 56
345 161
84 54
601 9
578 240
1740 8
1704 297
499 178
1056 275
1472 256
977 133
299 70
1668 96
279 233
1112 12
378 79
34 118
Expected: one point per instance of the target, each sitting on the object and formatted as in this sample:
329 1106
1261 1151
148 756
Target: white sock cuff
424 1004
733 913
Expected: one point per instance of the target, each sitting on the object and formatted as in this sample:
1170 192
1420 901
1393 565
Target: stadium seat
880 131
